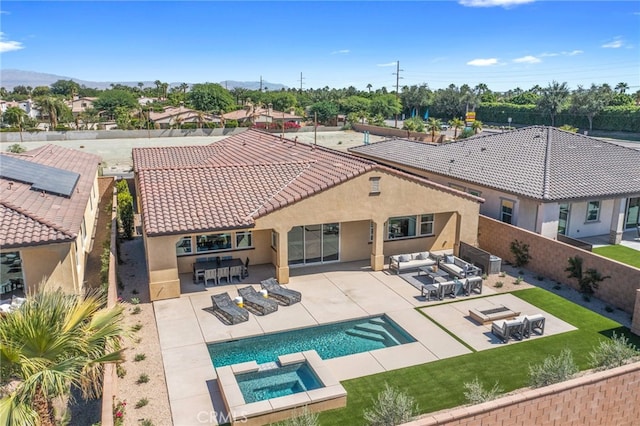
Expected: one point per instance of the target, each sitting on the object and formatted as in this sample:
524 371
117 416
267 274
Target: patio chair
245 269
198 272
211 275
223 273
282 295
448 288
235 271
473 284
224 307
257 301
507 329
533 324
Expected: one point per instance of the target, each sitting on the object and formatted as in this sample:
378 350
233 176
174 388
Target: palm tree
158 84
433 126
553 98
15 116
476 126
184 87
456 123
369 86
622 87
53 107
53 342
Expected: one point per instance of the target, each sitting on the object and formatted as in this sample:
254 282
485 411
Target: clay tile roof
230 183
29 217
543 163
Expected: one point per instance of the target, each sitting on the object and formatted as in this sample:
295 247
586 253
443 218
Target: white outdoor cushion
448 259
423 255
404 258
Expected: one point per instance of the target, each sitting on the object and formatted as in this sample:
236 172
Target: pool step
365 335
393 331
382 330
268 366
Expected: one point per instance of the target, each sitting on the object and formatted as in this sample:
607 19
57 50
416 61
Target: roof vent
571 147
452 160
484 148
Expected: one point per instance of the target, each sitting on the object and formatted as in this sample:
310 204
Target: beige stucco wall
351 205
53 265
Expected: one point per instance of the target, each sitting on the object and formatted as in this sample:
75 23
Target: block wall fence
609 397
391 132
550 259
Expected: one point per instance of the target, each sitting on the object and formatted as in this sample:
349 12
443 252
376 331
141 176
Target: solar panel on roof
41 177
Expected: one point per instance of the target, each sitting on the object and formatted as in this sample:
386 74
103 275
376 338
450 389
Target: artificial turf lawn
620 253
440 384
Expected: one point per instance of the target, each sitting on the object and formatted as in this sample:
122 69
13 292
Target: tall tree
54 108
476 126
385 105
414 98
552 99
622 87
456 123
589 102
54 342
325 111
109 100
65 87
210 97
433 126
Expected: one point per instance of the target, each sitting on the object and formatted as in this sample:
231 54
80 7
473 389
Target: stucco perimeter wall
391 132
550 258
14 137
606 398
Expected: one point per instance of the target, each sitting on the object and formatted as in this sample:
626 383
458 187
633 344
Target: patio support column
617 220
282 256
547 218
377 251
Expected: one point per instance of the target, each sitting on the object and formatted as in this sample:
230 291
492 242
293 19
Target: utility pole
301 81
261 83
397 74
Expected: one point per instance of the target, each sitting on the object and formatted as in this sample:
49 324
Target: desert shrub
140 357
518 280
554 369
587 280
392 407
498 284
135 300
612 353
136 310
144 378
121 371
475 392
142 402
302 417
520 251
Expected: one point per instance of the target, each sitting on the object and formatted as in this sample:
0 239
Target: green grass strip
440 384
620 253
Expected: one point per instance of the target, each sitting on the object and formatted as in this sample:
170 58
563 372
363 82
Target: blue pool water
276 382
330 341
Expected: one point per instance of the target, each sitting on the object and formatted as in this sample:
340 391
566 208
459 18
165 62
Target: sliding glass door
633 213
563 219
311 244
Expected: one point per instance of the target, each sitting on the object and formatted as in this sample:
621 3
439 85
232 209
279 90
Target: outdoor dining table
214 264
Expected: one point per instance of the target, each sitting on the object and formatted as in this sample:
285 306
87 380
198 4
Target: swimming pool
277 382
330 341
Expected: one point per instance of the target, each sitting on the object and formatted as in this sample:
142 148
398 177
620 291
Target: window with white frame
213 242
244 240
426 224
593 211
375 185
410 226
274 240
506 211
184 246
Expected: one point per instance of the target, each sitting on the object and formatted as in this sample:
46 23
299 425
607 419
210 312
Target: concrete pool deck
330 294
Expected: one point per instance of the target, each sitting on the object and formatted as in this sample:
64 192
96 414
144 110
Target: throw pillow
404 258
423 256
448 259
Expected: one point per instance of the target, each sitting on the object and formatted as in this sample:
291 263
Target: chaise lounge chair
257 301
283 295
224 306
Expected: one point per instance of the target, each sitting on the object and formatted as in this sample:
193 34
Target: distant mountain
11 78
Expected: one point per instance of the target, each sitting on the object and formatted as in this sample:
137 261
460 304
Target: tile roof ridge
546 171
268 200
35 218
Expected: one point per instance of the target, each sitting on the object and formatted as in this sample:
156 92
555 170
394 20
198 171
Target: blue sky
502 43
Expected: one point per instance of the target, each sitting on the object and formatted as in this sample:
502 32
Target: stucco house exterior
172 116
542 179
260 115
48 210
272 200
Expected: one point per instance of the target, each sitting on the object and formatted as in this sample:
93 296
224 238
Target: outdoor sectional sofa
404 262
458 267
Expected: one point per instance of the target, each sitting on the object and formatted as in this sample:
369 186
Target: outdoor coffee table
437 277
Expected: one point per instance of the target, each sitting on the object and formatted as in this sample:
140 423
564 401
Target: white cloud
8 46
573 52
483 62
493 3
528 60
563 53
389 64
340 52
616 43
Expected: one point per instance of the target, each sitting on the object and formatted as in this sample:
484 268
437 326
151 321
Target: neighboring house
27 106
48 209
79 104
254 114
274 201
174 116
541 179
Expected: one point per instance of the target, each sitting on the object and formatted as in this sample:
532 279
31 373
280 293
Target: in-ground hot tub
258 395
